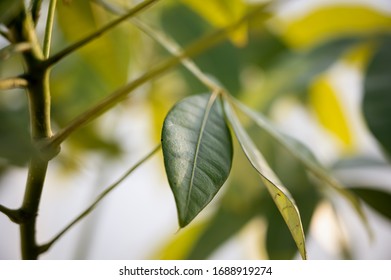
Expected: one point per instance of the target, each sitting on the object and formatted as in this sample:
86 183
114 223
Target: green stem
120 94
34 186
47 246
10 83
48 29
12 214
72 48
23 30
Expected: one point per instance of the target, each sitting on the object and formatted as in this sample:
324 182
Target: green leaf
377 95
278 192
294 175
378 199
191 28
308 160
197 150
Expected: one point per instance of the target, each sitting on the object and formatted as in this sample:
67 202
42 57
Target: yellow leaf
180 246
220 13
329 110
327 22
360 55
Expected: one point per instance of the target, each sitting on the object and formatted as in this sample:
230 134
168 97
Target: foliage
233 65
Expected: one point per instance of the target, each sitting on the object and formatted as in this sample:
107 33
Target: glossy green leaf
278 192
197 150
377 95
306 157
379 200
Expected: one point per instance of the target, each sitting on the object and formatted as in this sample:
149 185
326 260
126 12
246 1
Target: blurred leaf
185 27
333 21
324 100
226 222
242 200
359 162
182 243
220 13
307 159
15 144
377 95
263 49
378 199
278 192
109 55
9 9
360 55
293 72
197 151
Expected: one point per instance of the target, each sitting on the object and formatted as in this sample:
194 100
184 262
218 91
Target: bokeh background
304 64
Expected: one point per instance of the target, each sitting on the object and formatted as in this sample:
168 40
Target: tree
215 113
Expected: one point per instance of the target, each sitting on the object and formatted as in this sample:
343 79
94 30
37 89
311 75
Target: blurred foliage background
320 70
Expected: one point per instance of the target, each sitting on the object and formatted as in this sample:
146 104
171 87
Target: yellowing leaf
180 246
220 13
327 107
327 22
280 195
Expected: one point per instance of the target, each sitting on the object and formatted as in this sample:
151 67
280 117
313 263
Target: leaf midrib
208 109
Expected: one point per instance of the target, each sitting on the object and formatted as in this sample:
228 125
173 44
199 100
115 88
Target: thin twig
43 248
12 49
120 94
49 27
10 83
35 8
72 48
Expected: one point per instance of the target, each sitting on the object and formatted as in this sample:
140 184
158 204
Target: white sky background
136 219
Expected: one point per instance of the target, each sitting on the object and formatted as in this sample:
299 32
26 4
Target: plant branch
32 197
43 248
12 214
9 50
120 94
176 50
48 29
15 82
35 8
72 48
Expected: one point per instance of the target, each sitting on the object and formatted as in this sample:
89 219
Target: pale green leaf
278 192
197 150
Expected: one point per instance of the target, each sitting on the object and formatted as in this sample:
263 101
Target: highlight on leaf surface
280 195
197 150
